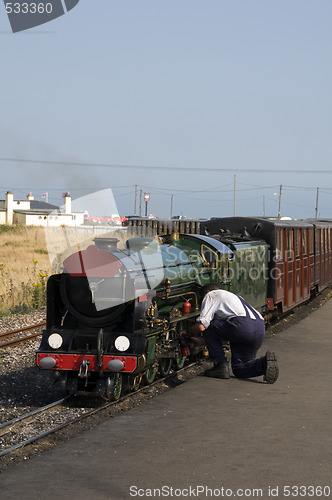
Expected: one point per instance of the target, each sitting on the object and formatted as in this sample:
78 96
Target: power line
161 168
208 190
172 190
302 188
61 189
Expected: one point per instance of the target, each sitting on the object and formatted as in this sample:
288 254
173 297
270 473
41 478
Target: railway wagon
292 270
323 252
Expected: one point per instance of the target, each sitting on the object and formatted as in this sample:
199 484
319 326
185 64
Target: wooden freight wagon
291 268
323 252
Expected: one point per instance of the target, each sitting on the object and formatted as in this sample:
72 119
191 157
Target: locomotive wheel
63 385
67 386
179 361
165 366
134 382
131 382
114 387
149 375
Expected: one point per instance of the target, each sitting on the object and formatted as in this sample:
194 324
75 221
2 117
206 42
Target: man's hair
208 288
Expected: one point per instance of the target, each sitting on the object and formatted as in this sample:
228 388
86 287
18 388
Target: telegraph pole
263 206
279 202
140 203
234 195
171 206
135 199
316 210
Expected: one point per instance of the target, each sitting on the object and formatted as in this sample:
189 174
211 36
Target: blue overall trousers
245 336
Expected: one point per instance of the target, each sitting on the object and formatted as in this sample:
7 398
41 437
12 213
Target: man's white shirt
222 304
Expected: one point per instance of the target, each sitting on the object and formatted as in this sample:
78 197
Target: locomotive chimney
107 244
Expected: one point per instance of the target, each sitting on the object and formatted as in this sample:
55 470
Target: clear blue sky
188 84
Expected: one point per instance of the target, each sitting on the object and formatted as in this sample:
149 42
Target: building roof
40 212
42 205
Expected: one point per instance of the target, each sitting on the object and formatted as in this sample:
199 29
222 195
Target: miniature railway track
24 427
16 425
19 339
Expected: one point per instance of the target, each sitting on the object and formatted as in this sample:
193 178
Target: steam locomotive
115 314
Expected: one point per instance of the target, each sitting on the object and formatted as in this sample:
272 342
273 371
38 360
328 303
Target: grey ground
231 434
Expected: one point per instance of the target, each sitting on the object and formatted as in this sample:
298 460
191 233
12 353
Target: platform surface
207 438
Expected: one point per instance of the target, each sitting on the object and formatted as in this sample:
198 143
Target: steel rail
21 340
33 412
19 330
89 413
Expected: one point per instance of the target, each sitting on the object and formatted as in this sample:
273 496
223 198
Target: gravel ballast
23 387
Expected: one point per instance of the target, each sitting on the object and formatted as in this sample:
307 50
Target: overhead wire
159 167
187 193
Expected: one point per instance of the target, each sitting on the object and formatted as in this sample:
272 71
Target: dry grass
25 261
24 266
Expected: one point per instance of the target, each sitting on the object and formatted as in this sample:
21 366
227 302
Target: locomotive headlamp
122 343
55 341
47 362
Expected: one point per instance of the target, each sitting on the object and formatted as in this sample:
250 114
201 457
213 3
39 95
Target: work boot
271 368
221 370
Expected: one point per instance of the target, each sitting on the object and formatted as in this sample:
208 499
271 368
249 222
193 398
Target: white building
31 212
